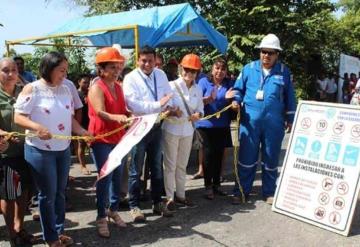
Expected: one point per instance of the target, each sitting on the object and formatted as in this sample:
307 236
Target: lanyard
153 92
262 78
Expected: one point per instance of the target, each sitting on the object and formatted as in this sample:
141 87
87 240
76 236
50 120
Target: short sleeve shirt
52 107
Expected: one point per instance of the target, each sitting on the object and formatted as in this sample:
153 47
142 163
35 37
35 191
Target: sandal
103 228
65 240
197 176
85 171
116 218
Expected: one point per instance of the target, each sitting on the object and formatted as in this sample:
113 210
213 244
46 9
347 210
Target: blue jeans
151 145
107 188
50 171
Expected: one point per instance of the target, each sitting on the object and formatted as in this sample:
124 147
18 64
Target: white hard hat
270 41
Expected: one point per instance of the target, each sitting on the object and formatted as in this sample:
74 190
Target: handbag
197 138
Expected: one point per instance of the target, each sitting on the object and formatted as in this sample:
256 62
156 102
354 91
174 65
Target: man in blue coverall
266 94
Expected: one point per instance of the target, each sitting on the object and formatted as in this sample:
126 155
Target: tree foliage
75 55
311 36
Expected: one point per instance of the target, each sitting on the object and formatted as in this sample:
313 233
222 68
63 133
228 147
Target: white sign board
319 182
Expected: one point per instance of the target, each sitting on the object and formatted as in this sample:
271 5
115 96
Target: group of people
48 107
327 88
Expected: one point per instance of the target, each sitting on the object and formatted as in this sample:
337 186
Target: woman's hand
230 93
120 118
195 117
43 133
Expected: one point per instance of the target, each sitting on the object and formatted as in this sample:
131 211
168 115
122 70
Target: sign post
319 182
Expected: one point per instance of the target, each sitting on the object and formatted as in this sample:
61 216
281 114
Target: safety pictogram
334 218
324 198
306 123
327 184
342 188
355 131
320 213
321 125
339 203
339 128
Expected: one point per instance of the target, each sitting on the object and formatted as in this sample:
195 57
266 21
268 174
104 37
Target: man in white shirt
147 91
331 89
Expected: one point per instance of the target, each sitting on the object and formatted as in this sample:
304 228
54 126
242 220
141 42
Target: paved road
212 223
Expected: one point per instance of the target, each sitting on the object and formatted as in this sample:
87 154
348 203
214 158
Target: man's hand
3 144
164 100
235 105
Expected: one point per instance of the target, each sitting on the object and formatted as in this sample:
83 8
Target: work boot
137 215
269 200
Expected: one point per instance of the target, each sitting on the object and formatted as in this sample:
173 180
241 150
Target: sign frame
276 207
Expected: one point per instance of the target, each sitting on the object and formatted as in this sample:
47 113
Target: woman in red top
107 111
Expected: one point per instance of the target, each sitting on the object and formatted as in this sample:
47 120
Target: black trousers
213 145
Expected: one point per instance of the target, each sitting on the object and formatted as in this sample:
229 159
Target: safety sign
319 181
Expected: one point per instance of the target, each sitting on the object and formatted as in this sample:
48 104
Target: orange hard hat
191 61
108 54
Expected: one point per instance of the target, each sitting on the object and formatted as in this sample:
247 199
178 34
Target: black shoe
237 200
219 192
124 203
185 202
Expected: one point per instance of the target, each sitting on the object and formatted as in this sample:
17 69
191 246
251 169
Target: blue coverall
262 122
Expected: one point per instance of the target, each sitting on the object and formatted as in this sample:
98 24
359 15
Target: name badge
260 95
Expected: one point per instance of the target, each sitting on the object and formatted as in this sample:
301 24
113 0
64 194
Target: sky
32 18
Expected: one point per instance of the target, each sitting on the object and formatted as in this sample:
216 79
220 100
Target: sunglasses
192 71
270 53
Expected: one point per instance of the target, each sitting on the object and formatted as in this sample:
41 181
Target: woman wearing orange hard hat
107 111
178 130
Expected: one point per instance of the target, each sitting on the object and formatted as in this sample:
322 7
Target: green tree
312 38
75 55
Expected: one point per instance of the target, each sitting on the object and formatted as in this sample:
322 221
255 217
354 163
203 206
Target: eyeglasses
270 53
192 71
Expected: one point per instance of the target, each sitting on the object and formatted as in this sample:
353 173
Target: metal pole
7 48
136 34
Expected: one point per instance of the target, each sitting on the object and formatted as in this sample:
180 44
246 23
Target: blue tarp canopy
167 26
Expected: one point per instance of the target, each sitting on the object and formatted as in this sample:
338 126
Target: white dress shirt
194 99
140 92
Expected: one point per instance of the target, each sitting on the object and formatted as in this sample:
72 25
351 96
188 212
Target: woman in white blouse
178 131
45 107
